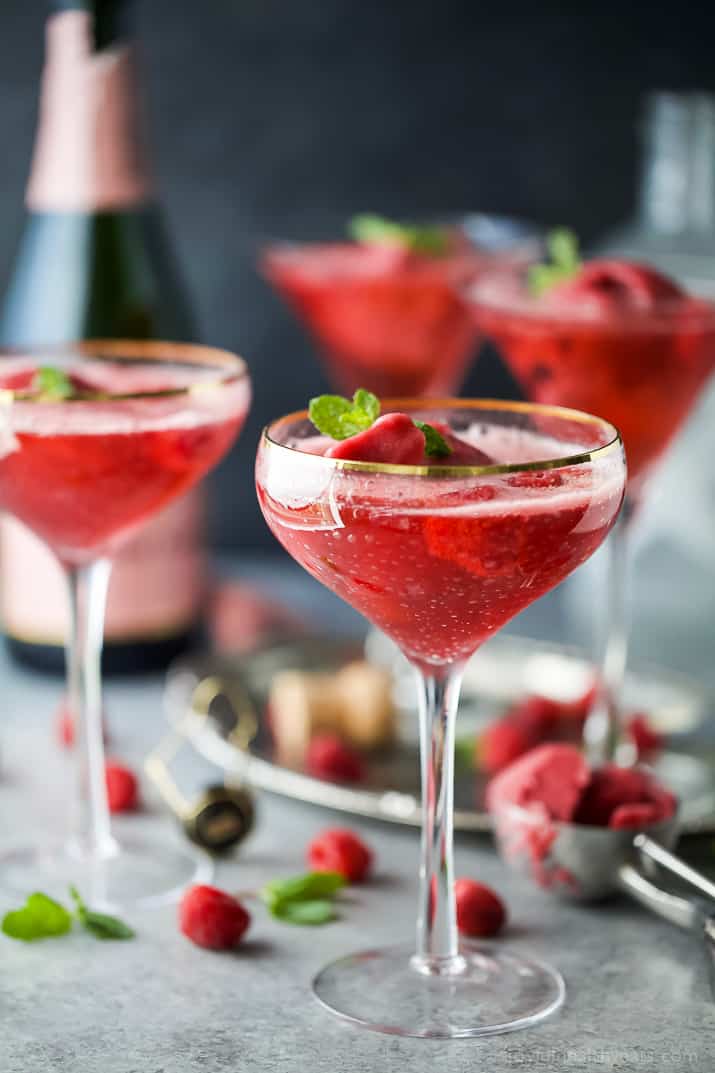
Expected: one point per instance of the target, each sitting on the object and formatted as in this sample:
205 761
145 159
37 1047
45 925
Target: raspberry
488 547
122 787
550 776
211 918
339 850
644 736
479 910
500 743
607 285
392 438
612 788
328 757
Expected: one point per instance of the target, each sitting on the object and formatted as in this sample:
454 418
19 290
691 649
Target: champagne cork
368 714
355 703
301 705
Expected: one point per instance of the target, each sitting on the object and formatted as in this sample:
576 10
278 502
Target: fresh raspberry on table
329 757
480 912
340 850
211 918
122 787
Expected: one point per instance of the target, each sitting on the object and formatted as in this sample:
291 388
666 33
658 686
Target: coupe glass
439 558
389 320
147 422
644 371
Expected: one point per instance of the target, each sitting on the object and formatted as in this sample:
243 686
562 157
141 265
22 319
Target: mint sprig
564 263
306 900
40 917
341 418
369 228
51 385
100 925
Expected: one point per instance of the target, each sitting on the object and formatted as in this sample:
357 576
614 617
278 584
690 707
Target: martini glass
146 421
388 318
644 371
440 558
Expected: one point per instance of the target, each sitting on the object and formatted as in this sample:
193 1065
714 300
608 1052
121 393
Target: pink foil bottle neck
89 152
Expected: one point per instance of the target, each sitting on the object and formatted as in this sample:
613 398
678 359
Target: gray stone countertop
638 995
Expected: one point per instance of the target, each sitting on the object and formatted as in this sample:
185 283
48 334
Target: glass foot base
141 874
496 991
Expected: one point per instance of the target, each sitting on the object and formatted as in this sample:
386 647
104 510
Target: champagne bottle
94 261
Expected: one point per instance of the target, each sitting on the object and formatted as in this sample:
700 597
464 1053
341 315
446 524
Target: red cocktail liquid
386 318
439 564
643 370
81 473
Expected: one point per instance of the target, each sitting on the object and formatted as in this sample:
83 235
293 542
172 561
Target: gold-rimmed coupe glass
82 469
440 558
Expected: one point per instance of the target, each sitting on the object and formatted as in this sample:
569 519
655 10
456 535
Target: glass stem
437 948
603 732
87 587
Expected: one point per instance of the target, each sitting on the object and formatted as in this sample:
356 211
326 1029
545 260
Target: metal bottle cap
220 818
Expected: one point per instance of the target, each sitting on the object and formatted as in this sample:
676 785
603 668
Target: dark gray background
272 117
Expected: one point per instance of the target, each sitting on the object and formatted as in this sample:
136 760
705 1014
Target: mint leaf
303 888
106 927
435 444
101 925
369 228
52 384
368 403
311 913
40 918
341 418
562 246
303 899
325 412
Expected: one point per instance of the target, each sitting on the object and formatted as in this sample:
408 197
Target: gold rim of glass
131 350
614 443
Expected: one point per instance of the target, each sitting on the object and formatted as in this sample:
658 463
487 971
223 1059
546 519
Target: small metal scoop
585 863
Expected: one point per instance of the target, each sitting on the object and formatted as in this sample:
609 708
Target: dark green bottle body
93 261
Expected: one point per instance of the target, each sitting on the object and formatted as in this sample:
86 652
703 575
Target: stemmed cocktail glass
388 314
94 440
440 557
642 366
